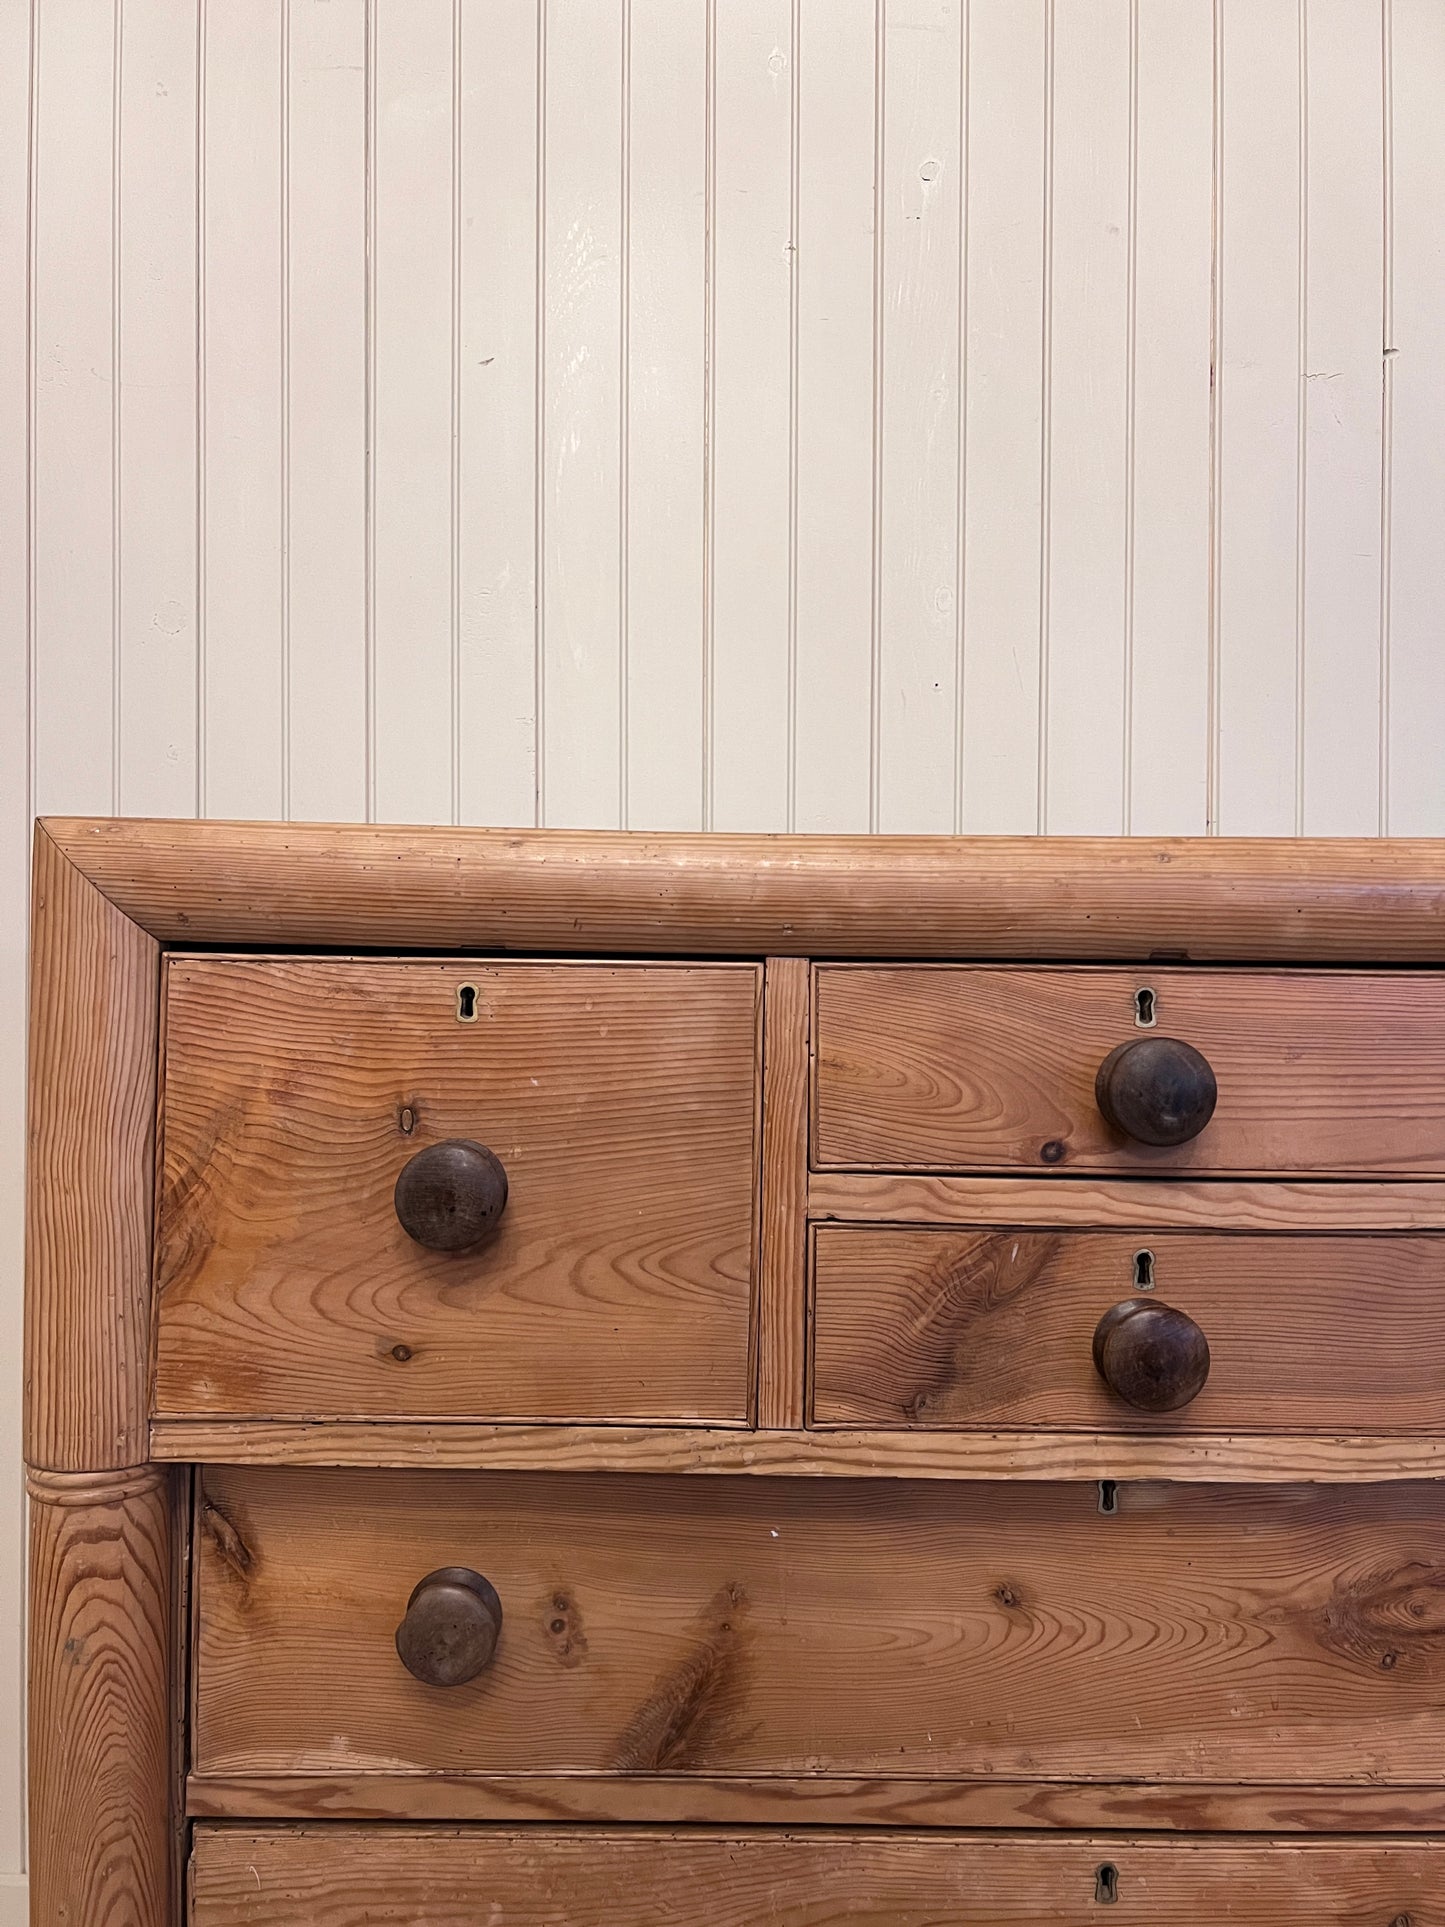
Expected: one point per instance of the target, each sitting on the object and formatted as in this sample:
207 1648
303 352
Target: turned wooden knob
450 1195
1152 1356
450 1630
1156 1090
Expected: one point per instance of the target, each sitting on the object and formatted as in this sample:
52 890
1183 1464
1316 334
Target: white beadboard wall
985 415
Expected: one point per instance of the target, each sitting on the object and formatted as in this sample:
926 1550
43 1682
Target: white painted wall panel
1415 467
326 409
1088 453
839 98
241 348
995 414
1007 388
1169 730
16 803
748 644
920 206
497 418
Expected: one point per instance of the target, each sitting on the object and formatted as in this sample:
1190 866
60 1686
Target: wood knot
1389 1620
691 1715
563 1628
230 1546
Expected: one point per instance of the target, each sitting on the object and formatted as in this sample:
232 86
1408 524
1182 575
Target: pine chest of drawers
586 1379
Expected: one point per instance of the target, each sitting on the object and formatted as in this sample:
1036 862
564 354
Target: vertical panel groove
1387 393
455 548
369 59
1046 385
1216 357
960 559
285 528
794 270
1302 422
624 431
539 444
875 693
709 438
1131 393
117 34
202 664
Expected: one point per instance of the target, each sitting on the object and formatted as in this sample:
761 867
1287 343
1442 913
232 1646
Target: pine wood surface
344 1876
783 1275
771 1799
1288 899
1262 1458
985 1068
1302 1205
99 1703
91 1117
618 1282
994 1328
1198 1634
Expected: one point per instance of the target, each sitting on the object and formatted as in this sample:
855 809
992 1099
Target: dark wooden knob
1152 1356
450 1630
1157 1090
450 1195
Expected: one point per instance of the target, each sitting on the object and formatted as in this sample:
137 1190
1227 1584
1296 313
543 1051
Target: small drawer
324 1249
350 1876
1210 1331
665 1625
1217 1071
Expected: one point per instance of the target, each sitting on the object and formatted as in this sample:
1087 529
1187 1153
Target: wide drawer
346 1876
666 1625
973 1069
934 1327
621 1101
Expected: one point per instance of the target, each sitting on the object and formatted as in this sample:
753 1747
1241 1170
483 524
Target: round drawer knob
450 1195
450 1630
1152 1356
1156 1090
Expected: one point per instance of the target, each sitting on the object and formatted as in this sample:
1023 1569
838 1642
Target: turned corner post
101 1594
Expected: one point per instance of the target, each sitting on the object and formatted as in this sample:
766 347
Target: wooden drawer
622 1101
666 1625
974 1069
994 1327
346 1876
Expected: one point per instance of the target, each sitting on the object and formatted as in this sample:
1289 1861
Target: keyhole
1143 1271
466 1003
1108 1496
1106 1884
1146 1008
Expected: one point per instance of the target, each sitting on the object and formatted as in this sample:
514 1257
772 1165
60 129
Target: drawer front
973 1069
1200 1634
621 1101
346 1876
995 1327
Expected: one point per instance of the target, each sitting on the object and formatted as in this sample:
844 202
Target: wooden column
101 1614
783 1270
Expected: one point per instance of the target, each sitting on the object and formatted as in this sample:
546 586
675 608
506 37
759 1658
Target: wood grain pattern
93 1016
618 1282
994 1328
913 1197
338 1877
853 1628
1289 900
687 1799
783 1272
99 1699
1322 1072
1247 1458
